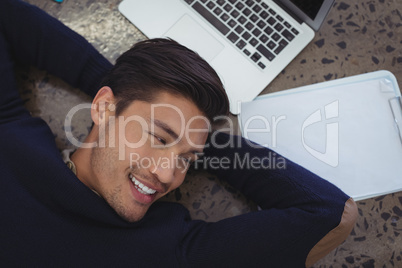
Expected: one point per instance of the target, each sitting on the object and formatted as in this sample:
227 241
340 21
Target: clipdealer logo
327 114
331 154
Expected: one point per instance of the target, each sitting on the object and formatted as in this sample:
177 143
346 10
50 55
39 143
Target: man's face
144 153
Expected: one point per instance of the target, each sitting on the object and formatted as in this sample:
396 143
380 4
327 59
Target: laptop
247 42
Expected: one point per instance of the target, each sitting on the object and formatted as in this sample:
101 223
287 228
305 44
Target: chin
134 216
131 218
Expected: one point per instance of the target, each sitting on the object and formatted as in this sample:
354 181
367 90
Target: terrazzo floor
357 37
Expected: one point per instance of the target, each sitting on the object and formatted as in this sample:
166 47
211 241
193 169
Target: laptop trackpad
189 33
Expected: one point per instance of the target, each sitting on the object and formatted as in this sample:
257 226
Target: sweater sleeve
299 210
11 105
37 39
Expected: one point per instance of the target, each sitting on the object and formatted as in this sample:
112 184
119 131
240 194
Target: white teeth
141 187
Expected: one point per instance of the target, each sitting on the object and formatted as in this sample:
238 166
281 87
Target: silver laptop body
276 33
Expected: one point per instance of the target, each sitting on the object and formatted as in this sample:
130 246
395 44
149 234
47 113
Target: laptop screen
309 7
312 12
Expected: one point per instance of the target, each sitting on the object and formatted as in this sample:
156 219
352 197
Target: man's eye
159 139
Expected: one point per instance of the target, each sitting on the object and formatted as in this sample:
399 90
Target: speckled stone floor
358 37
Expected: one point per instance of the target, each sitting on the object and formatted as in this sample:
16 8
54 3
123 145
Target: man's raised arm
37 39
303 217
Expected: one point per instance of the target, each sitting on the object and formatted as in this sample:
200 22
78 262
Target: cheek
133 144
131 133
137 157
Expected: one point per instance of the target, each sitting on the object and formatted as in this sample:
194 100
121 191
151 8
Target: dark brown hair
156 65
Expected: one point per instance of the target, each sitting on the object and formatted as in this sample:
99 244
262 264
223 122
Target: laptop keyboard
251 25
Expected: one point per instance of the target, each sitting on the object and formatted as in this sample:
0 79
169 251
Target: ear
103 105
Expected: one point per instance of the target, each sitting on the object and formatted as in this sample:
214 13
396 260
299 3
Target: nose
165 169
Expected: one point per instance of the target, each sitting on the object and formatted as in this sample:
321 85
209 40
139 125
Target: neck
82 160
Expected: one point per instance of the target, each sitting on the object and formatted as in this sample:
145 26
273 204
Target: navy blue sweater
49 218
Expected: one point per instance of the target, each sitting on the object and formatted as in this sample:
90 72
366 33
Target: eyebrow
172 133
166 128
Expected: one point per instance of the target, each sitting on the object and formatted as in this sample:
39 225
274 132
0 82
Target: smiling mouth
141 187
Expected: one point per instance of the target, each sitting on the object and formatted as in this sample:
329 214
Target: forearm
302 215
269 179
37 39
